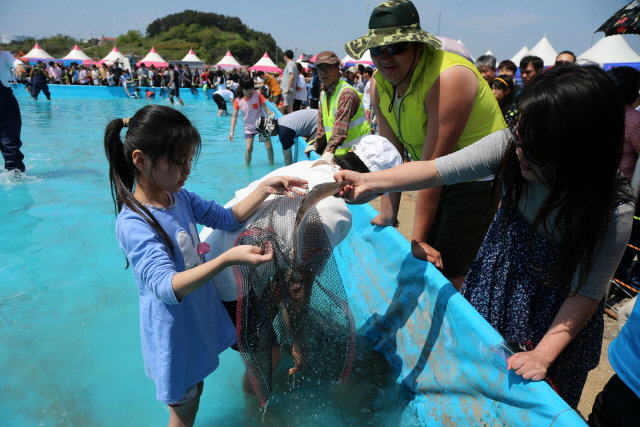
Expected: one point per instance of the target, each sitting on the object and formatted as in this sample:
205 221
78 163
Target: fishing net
299 307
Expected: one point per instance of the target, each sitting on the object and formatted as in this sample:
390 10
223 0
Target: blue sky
312 26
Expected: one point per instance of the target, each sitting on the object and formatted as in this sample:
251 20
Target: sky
306 26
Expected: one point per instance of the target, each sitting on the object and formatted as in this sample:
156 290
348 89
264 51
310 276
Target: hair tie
505 83
125 122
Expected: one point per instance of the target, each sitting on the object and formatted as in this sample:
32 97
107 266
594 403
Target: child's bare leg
249 151
288 158
185 415
269 151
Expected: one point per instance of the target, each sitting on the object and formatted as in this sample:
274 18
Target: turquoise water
69 327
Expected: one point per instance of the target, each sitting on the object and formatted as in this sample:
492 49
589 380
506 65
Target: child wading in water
184 326
252 104
545 264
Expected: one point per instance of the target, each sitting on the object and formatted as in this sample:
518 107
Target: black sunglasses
390 49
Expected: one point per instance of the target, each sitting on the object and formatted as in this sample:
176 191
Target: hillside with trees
210 35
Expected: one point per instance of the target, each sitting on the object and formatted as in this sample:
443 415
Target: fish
319 192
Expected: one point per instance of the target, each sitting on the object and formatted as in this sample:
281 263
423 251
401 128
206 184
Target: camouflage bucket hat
391 22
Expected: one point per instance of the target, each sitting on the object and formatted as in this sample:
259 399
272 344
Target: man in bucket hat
341 118
432 103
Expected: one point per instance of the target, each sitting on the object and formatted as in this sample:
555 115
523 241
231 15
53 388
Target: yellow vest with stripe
358 125
411 128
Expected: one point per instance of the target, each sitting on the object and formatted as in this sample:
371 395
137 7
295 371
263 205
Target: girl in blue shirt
183 325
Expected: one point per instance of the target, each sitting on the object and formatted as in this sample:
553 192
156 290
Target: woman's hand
358 187
286 185
531 365
231 137
247 255
425 252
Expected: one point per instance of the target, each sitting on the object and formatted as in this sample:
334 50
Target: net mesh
302 309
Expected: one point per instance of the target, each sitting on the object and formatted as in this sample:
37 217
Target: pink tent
36 54
76 55
265 64
228 62
153 58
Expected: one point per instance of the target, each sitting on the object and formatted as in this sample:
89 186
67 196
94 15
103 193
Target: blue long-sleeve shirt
181 340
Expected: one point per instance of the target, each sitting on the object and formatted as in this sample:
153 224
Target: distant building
104 41
6 39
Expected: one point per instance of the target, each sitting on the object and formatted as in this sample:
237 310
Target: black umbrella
624 21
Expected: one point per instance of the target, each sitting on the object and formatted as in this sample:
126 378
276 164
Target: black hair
368 70
571 126
627 80
568 52
161 133
246 82
502 82
352 162
260 73
289 54
538 63
509 65
171 66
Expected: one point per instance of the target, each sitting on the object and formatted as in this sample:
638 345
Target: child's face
170 176
247 93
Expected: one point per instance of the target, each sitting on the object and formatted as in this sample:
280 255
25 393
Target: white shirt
366 99
7 62
333 211
301 95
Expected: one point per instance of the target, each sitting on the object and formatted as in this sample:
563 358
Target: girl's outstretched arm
286 185
574 313
185 282
234 118
405 177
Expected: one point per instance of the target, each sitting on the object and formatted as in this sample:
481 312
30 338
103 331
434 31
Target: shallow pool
69 310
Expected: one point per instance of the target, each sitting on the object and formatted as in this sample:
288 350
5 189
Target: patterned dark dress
505 284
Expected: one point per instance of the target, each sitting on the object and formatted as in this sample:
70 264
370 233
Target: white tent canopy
545 51
153 58
191 57
228 62
366 58
36 53
455 46
518 56
114 56
347 59
611 50
265 64
489 53
77 54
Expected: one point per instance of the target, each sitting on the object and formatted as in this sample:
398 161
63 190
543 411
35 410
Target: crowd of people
505 174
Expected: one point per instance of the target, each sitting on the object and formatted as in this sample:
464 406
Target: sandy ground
597 377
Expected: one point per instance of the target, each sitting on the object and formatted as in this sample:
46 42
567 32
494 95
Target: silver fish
319 192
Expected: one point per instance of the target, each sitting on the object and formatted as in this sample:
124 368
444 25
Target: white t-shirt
301 95
226 94
83 76
366 100
333 211
7 62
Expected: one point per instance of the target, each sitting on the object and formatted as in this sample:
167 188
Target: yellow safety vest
358 125
411 127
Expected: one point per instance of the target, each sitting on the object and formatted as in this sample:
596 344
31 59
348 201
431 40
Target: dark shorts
220 102
174 92
287 137
231 306
464 214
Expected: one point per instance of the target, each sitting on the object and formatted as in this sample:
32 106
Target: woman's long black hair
571 126
161 133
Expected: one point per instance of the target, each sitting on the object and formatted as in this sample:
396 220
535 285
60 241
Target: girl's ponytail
121 174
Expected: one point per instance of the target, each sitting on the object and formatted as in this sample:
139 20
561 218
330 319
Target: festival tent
114 56
36 54
76 55
228 62
489 53
303 59
153 58
366 59
612 51
348 61
265 64
518 56
545 51
190 59
453 46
